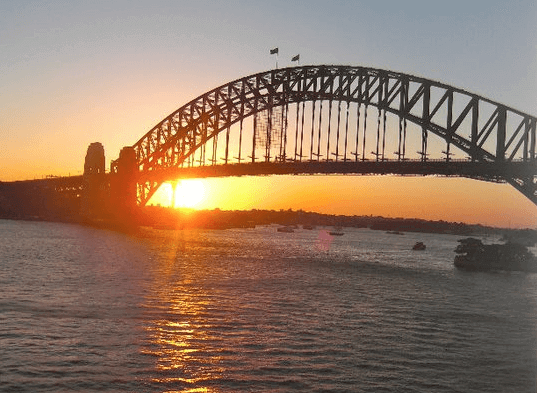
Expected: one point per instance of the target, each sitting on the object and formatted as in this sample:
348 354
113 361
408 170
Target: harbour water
91 310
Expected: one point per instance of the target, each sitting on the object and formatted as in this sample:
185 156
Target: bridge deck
489 171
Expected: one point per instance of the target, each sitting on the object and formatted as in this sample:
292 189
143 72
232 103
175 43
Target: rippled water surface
87 310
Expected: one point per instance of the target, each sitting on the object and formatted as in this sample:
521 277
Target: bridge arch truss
362 119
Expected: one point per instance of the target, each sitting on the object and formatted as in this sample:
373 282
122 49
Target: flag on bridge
296 58
274 51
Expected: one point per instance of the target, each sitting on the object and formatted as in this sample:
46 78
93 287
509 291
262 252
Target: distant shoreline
164 217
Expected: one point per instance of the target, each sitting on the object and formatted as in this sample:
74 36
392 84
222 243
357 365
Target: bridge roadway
54 198
62 197
64 184
488 171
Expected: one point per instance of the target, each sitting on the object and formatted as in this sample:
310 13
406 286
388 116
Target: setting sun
188 193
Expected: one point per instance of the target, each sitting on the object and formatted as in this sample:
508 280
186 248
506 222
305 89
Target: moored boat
336 232
473 255
419 246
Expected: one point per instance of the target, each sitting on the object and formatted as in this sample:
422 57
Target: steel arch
462 119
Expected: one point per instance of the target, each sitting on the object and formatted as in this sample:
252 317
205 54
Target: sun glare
189 193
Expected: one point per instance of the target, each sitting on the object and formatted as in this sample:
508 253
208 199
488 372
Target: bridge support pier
95 195
123 186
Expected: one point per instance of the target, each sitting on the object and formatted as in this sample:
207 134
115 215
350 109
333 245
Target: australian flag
296 58
274 51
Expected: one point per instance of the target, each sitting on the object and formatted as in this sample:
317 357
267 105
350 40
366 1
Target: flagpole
275 52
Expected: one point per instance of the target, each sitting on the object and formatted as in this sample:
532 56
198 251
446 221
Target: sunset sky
77 72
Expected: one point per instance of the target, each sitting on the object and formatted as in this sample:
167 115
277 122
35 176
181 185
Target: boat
395 233
473 255
285 229
336 232
308 227
419 246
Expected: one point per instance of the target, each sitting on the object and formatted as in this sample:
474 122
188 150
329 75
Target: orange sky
106 72
449 199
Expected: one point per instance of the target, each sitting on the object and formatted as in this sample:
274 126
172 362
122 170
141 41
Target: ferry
473 255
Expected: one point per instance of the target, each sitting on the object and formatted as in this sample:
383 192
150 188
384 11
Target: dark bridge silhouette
319 120
335 119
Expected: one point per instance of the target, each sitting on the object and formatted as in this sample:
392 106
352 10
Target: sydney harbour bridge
324 119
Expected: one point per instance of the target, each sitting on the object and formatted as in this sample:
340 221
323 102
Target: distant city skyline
108 71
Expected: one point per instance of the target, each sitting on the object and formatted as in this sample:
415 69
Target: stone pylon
123 185
96 192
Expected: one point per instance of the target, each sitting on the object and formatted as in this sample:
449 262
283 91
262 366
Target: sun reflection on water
180 335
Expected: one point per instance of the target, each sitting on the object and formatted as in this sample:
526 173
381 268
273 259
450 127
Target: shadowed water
256 310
